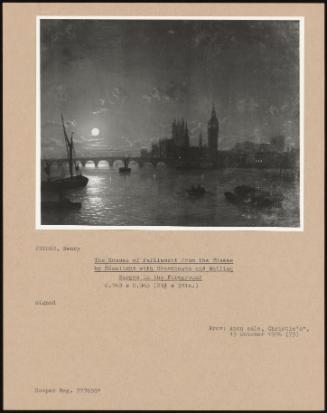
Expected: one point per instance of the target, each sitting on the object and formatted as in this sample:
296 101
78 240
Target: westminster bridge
109 160
286 160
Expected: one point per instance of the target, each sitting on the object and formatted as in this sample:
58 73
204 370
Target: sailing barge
75 178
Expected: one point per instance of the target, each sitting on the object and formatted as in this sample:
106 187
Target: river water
157 197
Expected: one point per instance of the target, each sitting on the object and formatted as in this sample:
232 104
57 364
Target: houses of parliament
178 147
178 152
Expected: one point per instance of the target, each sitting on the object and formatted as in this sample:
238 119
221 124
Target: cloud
55 124
101 108
118 95
72 123
99 111
154 96
172 92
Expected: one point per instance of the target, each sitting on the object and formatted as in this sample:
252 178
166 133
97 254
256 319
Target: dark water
157 197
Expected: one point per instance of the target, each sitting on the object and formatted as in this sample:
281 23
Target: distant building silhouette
213 133
178 146
180 134
247 154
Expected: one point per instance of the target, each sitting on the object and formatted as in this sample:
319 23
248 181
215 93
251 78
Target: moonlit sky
130 79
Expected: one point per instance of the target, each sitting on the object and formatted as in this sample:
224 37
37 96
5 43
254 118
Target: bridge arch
133 163
148 164
90 164
110 161
116 163
103 164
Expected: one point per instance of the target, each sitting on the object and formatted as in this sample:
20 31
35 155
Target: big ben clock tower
213 133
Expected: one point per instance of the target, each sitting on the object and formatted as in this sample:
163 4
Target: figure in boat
75 178
197 190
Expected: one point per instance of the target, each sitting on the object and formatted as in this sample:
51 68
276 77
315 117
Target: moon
95 132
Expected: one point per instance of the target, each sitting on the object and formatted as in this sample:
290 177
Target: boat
196 191
69 182
256 197
125 169
64 203
75 178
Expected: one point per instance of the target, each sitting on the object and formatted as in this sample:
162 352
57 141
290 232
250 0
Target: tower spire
213 110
